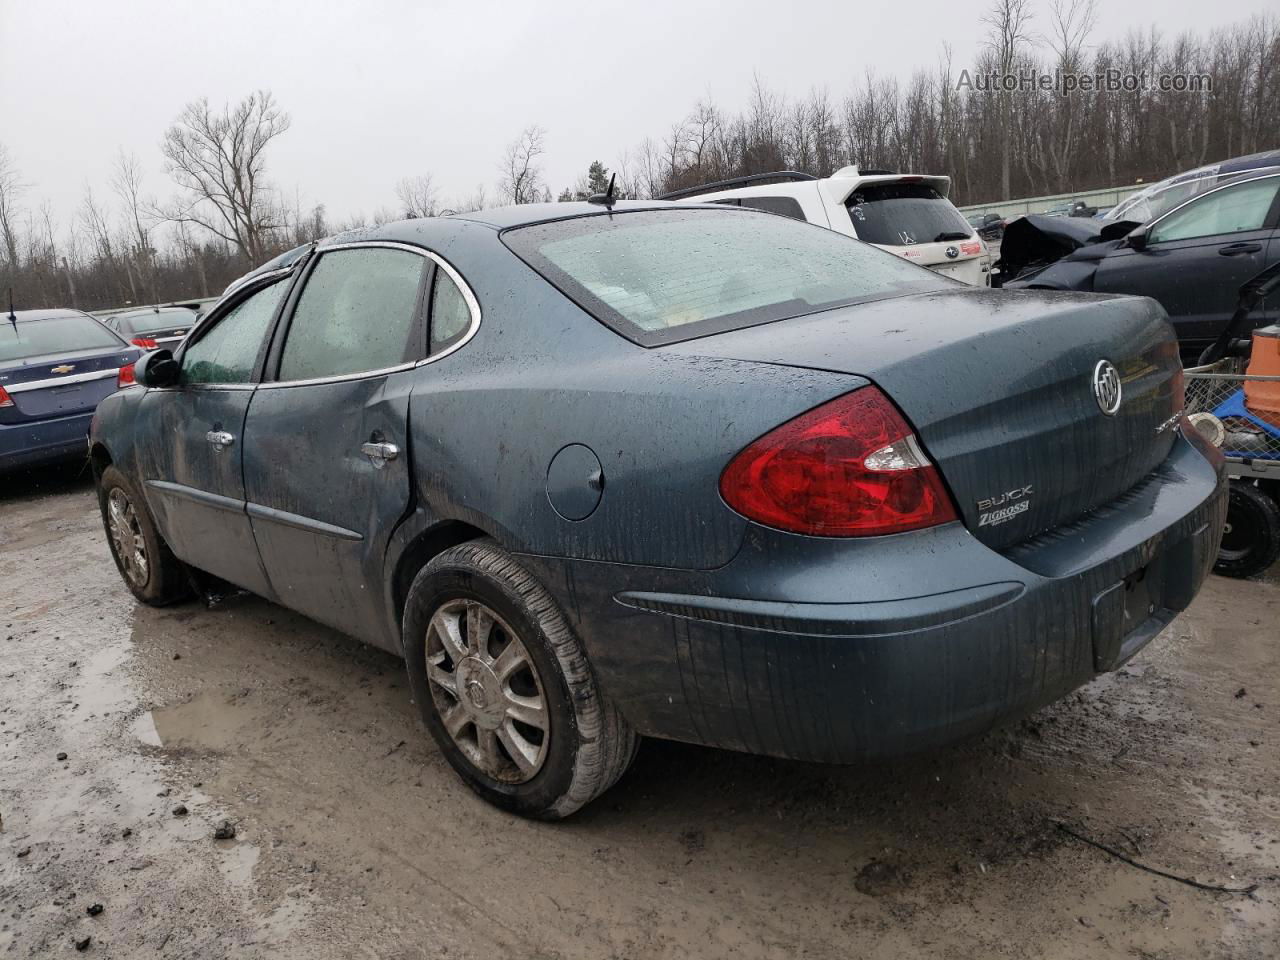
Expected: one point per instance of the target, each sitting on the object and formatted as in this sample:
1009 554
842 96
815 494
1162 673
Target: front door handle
379 453
220 439
1235 249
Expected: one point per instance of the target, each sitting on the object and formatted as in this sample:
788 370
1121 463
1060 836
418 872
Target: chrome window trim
179 387
336 378
204 321
241 282
190 337
61 381
473 306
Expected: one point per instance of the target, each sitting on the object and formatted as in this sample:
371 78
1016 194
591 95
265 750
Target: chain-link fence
1220 390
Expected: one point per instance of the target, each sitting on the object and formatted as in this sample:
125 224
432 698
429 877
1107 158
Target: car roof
153 311
434 232
26 316
429 231
502 218
1268 158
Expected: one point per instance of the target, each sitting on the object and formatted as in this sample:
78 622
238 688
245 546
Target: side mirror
1138 240
156 368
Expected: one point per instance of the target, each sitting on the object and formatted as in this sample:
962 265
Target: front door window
228 352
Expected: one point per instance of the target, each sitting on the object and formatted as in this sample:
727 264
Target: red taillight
5 399
849 468
146 343
126 377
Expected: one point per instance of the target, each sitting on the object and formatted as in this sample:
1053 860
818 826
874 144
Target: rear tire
505 688
146 564
1251 542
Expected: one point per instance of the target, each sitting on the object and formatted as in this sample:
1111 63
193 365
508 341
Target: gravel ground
129 735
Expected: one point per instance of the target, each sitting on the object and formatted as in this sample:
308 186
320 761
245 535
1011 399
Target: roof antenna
607 198
13 317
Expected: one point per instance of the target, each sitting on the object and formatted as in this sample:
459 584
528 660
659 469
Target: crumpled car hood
1033 242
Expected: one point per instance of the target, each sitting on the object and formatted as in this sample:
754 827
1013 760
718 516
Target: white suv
906 214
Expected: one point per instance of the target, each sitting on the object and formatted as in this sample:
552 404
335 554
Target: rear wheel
1251 539
149 568
504 686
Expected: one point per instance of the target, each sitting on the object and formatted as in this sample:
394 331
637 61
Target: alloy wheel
487 691
126 537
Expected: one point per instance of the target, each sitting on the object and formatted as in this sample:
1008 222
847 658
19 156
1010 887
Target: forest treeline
955 118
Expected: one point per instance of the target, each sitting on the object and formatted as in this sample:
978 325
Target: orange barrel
1262 397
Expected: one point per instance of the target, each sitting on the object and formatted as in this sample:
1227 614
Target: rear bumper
44 441
968 271
892 644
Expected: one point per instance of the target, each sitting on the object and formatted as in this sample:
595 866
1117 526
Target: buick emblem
1106 387
951 253
476 694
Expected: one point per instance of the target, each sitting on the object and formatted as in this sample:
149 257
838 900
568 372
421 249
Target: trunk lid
959 259
999 388
62 384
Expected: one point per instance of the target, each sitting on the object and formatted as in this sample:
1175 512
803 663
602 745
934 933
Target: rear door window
359 311
902 214
38 338
162 322
228 351
450 314
662 276
783 206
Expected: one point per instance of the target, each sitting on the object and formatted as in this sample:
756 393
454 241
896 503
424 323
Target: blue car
56 366
600 471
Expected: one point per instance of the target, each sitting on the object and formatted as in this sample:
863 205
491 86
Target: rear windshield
160 322
37 338
662 276
901 214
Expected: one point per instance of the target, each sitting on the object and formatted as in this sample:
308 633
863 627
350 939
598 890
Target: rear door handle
220 438
379 453
1235 249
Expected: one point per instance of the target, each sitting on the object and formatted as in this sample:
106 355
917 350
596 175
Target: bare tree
704 127
219 159
1070 23
417 196
11 187
127 183
521 175
674 148
191 255
1008 32
651 181
476 200
94 220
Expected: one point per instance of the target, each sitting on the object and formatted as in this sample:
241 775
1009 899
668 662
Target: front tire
505 688
1251 541
149 569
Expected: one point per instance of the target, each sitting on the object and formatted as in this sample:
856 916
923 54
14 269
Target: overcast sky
383 89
